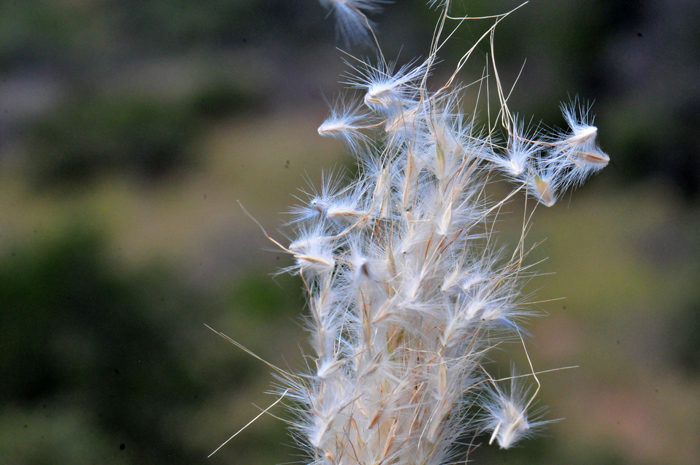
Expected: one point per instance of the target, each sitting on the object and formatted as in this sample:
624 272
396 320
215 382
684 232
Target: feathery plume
407 290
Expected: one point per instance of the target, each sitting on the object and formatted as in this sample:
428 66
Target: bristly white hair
353 26
507 412
575 155
347 122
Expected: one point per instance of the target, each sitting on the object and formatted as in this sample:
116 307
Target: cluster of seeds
407 292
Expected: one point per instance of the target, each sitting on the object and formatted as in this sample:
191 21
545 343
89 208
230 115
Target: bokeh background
129 128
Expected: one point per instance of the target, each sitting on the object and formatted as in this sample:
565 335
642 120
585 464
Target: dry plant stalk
407 291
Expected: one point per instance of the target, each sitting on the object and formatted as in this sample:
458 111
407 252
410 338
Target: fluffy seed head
408 292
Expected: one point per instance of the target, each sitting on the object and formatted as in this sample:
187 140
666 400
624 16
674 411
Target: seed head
408 290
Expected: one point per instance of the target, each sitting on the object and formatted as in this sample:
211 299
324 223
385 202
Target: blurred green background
129 128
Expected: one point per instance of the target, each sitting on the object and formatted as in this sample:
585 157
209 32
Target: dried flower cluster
406 290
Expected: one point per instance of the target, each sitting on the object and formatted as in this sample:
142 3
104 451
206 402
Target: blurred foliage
683 331
77 335
182 23
135 135
71 327
50 32
255 296
92 136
